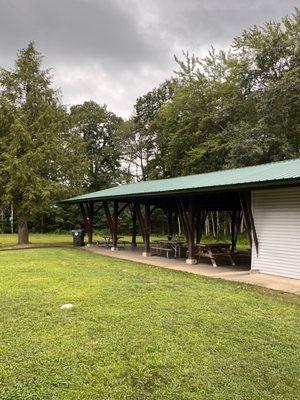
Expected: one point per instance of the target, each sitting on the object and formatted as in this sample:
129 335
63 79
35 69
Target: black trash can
78 237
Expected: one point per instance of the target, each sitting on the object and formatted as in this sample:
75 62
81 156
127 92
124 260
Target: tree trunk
207 226
2 221
23 234
213 224
42 223
11 218
147 230
170 224
179 226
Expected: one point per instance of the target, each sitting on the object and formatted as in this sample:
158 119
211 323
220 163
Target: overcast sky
112 51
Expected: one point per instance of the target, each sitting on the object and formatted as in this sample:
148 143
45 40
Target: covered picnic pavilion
187 198
265 197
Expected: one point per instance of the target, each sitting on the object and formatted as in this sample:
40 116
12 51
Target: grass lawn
139 332
10 240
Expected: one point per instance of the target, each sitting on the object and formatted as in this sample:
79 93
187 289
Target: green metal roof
278 173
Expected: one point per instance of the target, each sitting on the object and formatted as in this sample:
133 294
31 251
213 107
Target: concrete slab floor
236 274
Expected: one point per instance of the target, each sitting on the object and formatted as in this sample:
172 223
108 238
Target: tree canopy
233 108
141 148
98 127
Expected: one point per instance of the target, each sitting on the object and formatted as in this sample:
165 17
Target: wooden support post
200 221
87 212
112 223
247 224
147 231
233 217
245 200
170 225
181 215
186 212
91 220
108 216
191 231
115 226
144 222
237 215
198 229
134 226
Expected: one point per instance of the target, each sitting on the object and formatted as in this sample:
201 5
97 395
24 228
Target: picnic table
213 250
108 241
168 246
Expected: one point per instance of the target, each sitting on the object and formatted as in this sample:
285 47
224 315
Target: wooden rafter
134 227
199 222
98 208
186 212
144 223
121 209
87 211
108 217
182 214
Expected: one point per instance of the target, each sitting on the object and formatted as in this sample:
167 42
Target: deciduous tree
99 130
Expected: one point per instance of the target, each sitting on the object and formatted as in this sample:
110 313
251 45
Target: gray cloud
78 30
114 50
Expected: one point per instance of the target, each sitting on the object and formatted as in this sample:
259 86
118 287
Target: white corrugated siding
277 219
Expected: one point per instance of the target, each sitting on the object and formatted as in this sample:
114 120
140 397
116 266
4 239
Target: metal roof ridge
251 176
206 173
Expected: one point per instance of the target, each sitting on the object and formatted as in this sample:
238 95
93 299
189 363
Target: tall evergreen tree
40 156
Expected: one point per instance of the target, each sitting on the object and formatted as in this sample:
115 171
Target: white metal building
276 215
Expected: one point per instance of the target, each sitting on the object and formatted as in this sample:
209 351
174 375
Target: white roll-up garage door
277 219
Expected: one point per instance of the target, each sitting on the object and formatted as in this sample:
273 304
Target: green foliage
141 149
235 108
139 332
98 128
41 158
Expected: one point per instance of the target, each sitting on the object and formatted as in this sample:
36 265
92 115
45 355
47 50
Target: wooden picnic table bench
161 249
172 245
108 241
213 250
